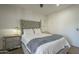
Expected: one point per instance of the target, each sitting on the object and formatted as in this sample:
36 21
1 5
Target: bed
35 42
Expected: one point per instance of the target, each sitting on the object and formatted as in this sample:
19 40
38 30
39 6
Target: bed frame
25 24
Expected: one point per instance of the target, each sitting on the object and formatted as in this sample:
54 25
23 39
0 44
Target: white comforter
48 48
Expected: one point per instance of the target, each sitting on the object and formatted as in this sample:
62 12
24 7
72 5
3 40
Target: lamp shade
17 31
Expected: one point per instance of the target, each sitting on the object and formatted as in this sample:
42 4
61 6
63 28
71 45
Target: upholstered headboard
30 24
25 24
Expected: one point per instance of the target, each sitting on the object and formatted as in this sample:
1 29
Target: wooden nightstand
11 42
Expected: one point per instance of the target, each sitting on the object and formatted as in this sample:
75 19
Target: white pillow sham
37 31
28 32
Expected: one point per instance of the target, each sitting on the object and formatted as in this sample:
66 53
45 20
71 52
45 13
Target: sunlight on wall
10 32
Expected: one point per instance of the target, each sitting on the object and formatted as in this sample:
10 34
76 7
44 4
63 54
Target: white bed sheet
48 48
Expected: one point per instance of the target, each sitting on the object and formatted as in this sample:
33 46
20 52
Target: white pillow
28 32
37 31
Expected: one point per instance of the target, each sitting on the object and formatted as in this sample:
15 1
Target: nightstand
1 43
2 46
11 42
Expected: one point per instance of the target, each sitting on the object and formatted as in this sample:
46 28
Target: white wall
66 22
10 17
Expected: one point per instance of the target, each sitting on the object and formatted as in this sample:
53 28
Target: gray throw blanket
35 43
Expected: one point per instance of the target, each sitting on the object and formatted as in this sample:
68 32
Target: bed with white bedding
36 42
50 47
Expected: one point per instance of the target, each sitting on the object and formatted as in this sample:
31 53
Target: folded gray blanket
35 43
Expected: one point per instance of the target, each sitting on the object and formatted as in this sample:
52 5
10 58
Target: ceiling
47 8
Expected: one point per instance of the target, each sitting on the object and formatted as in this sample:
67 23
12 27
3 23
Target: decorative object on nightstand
17 31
